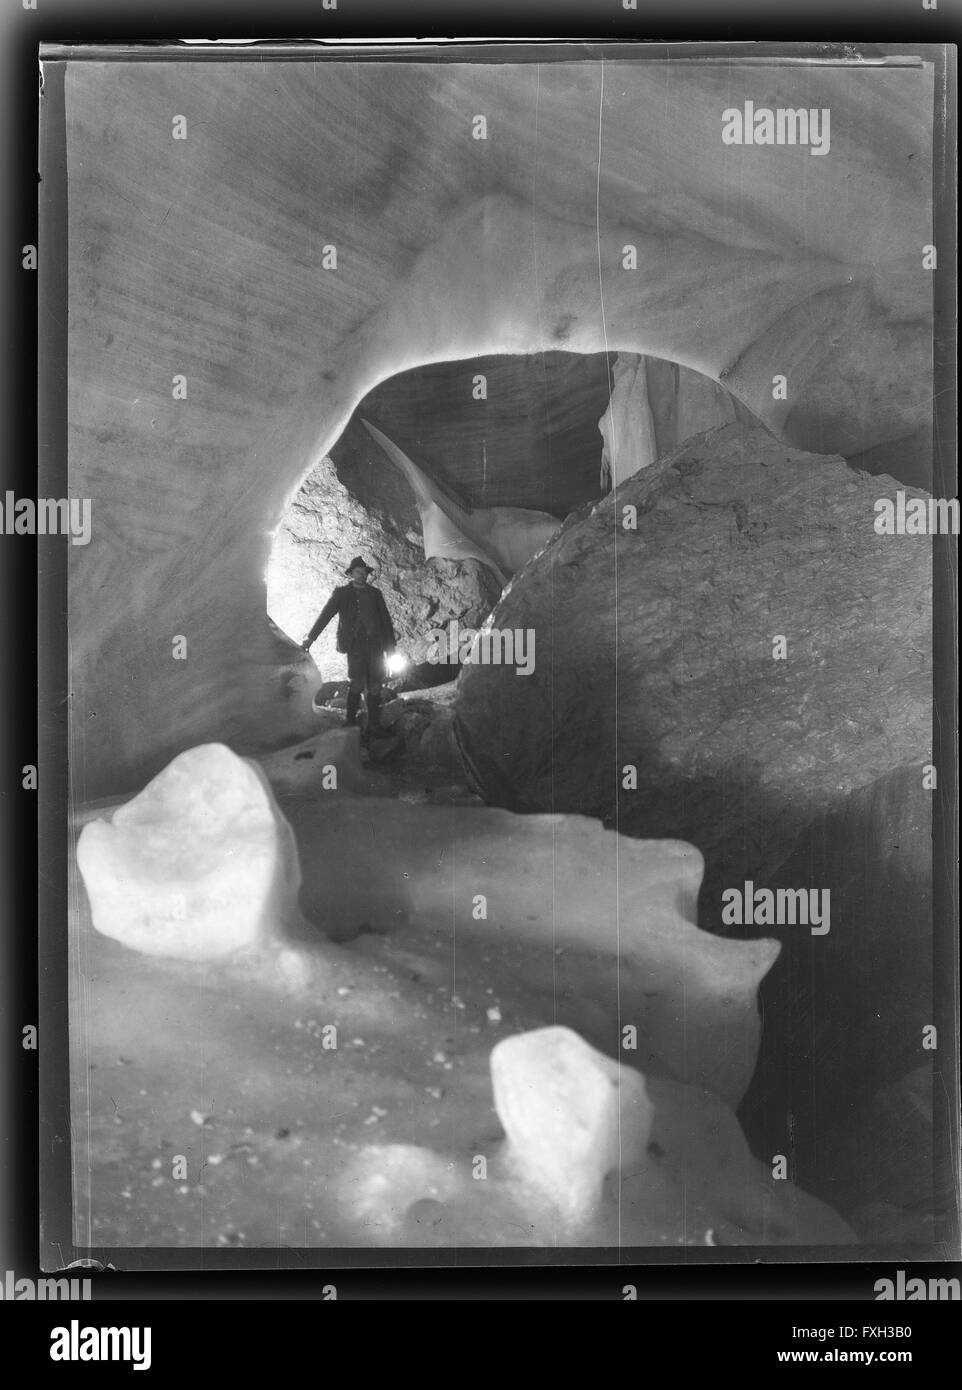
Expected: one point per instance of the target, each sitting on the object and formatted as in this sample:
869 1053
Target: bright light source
396 663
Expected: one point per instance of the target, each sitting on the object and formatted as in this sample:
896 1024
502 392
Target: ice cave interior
595 377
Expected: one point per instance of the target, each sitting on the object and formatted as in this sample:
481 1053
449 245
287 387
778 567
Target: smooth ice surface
595 1154
200 864
586 917
358 1083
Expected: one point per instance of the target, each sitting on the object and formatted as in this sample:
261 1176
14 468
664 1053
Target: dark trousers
365 669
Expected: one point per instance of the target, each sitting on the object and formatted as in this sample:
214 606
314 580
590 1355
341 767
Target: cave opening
508 442
450 476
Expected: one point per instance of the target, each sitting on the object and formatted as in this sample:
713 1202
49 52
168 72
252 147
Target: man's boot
373 715
353 705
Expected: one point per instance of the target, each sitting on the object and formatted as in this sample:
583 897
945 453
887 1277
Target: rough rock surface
656 649
205 257
426 720
328 524
199 865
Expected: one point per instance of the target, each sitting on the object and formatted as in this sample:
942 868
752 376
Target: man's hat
358 561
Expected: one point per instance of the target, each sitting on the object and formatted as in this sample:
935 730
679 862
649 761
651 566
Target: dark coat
343 602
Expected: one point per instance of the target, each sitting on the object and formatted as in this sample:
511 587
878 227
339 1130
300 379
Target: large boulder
655 650
660 649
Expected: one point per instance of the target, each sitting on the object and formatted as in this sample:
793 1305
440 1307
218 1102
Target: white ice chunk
677 1153
197 866
571 1114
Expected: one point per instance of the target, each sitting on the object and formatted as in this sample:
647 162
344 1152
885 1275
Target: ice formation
199 865
574 1146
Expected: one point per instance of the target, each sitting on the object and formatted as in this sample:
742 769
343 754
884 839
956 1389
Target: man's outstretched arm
322 620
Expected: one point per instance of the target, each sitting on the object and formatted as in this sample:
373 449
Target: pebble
494 1015
199 1117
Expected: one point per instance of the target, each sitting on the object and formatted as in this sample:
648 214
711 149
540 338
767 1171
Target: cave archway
447 249
302 257
502 438
451 477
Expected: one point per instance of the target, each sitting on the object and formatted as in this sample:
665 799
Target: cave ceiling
533 441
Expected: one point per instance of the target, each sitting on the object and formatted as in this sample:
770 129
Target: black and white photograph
499 515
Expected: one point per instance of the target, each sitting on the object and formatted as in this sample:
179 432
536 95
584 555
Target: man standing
365 634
